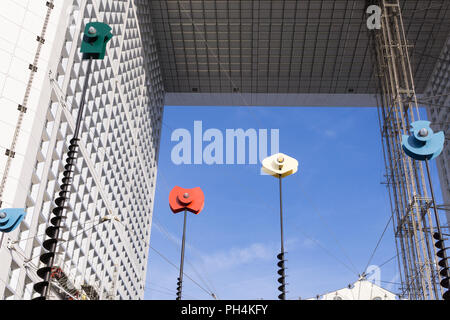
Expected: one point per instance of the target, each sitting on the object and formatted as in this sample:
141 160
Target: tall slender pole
280 166
83 99
281 216
53 231
281 271
436 215
180 278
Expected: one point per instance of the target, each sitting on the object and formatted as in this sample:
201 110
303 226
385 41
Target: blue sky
335 207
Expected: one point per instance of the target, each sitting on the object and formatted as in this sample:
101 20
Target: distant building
360 290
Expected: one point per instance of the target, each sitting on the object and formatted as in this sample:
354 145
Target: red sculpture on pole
192 200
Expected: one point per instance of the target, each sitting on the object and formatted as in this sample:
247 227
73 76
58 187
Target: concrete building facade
104 246
437 100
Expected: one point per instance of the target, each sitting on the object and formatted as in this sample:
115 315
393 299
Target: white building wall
116 169
360 290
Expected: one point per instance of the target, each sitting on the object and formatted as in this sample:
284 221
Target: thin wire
150 284
432 104
172 264
430 56
424 9
216 56
269 205
40 235
170 293
378 243
391 282
433 97
205 281
388 260
318 243
159 291
316 211
66 106
175 242
63 241
306 236
194 269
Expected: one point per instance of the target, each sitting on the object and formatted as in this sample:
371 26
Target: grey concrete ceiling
283 46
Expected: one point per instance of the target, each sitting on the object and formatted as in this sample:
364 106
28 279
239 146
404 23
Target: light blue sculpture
10 219
424 144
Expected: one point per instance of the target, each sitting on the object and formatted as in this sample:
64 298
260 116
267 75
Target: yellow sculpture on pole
280 164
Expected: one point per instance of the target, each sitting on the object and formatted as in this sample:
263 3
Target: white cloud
238 256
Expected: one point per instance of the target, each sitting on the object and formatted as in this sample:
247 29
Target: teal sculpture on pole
423 144
93 46
10 219
96 36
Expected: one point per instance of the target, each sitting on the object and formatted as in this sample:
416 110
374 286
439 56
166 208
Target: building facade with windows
103 249
437 96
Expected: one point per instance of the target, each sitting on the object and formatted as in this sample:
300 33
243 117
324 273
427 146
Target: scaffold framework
410 195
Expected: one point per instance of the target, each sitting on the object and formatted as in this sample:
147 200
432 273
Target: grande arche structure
322 53
199 52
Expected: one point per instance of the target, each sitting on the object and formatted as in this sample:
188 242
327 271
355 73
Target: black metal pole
53 231
281 271
281 216
436 215
438 224
83 99
180 278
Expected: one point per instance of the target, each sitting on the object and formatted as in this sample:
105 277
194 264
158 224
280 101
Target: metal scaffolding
411 201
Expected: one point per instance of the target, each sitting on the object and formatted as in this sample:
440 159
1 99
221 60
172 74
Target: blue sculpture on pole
10 219
424 144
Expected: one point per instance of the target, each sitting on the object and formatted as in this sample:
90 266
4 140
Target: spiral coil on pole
179 286
443 263
58 215
52 231
282 278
